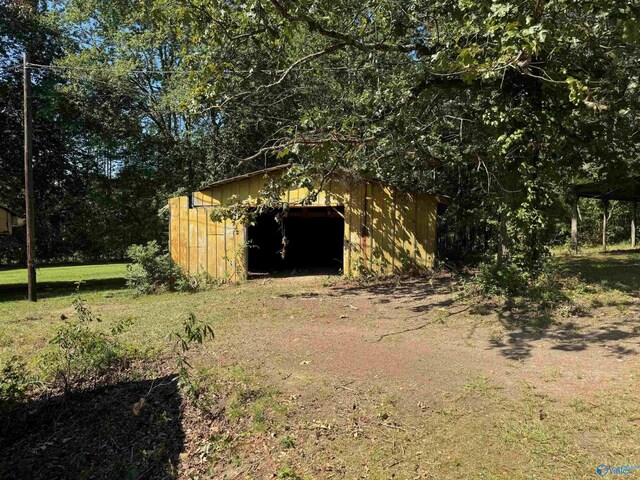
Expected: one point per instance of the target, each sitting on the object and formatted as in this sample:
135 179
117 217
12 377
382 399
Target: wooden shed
9 221
351 227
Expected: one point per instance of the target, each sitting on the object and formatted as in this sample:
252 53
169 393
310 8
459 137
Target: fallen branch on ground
420 327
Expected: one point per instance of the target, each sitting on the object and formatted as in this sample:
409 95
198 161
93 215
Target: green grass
62 281
65 274
26 327
601 278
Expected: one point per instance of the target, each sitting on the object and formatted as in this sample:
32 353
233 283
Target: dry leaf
138 406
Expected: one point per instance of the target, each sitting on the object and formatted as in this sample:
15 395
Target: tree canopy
500 105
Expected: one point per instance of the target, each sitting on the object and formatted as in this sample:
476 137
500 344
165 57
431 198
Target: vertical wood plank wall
386 230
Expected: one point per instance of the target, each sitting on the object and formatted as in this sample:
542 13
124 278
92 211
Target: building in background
352 226
8 221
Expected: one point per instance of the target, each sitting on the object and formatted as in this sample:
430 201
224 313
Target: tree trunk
605 214
634 207
574 226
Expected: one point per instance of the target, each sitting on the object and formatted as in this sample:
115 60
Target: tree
501 105
528 95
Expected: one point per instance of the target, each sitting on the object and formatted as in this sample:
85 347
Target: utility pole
28 183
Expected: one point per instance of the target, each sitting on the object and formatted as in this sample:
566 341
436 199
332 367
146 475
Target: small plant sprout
193 331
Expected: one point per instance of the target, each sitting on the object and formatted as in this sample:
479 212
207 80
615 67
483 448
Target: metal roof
625 189
247 175
441 198
10 211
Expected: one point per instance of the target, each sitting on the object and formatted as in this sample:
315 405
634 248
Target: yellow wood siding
386 230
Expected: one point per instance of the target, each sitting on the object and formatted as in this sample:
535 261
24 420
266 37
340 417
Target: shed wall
386 230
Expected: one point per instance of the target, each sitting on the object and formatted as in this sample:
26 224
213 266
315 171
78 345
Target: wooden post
32 293
605 212
634 207
574 225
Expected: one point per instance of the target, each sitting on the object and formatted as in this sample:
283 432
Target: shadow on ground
13 292
424 293
611 271
568 338
614 270
95 434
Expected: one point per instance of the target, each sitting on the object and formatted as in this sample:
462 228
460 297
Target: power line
8 68
110 69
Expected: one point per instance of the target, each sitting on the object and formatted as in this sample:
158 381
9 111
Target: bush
80 354
506 279
510 280
151 270
14 383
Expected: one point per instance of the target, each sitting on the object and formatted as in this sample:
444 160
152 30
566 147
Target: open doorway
314 242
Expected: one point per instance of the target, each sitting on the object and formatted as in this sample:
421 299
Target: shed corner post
634 208
170 208
574 224
245 254
605 213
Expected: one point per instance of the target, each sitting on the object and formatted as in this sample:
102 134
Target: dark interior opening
314 241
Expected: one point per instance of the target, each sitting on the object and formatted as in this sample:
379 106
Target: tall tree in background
76 184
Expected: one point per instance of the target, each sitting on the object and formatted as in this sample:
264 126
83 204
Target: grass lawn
62 281
615 270
314 377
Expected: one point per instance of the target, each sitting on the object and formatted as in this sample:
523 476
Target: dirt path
421 335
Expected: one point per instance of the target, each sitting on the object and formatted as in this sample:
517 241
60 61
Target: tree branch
285 74
315 26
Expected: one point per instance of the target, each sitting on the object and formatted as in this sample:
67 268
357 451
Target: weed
328 281
287 442
288 473
14 383
193 331
496 336
480 384
79 353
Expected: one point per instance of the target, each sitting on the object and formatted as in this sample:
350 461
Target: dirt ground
418 335
408 379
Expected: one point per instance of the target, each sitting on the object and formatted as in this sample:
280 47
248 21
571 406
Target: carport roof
625 189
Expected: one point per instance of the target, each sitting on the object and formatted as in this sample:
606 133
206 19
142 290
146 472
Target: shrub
78 353
151 269
506 279
510 280
14 383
